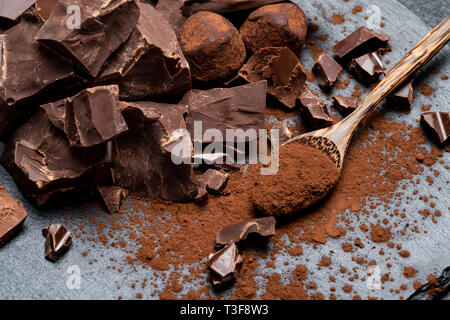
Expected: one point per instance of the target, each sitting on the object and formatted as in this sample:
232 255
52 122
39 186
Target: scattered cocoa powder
426 90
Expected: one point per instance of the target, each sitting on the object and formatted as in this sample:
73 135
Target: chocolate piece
104 26
216 181
152 46
224 265
11 117
45 7
89 118
275 25
11 10
224 108
284 73
222 6
358 43
12 216
437 124
42 163
345 105
143 157
113 197
29 72
367 68
57 240
403 97
171 11
202 193
434 290
284 134
327 71
315 109
236 232
212 45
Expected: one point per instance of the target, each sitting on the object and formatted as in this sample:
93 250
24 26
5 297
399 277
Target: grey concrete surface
24 274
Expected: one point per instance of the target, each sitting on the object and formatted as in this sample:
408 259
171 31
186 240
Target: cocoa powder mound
305 174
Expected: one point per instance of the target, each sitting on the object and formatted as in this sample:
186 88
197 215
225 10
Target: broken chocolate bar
57 240
222 6
11 117
437 124
113 197
435 289
29 72
315 109
149 159
42 163
236 232
281 68
402 98
45 7
367 68
89 118
345 105
12 216
171 11
226 108
88 43
284 134
216 181
224 265
11 10
202 193
327 71
358 43
150 64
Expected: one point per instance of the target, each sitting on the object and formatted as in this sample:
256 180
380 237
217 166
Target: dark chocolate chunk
236 232
11 117
31 73
222 6
327 71
42 163
358 43
367 68
345 105
437 124
171 11
402 98
149 159
11 10
226 108
202 193
212 45
224 265
113 197
284 73
284 134
435 289
275 25
315 109
216 181
152 46
57 241
89 118
104 26
45 7
12 216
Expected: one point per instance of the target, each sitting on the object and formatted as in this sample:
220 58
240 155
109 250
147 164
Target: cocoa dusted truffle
276 25
212 46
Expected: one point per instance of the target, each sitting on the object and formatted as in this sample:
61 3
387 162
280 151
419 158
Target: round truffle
275 25
212 46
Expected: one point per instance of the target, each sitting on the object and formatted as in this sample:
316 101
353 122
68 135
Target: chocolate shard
171 11
284 73
222 6
152 159
345 105
202 193
89 118
284 133
104 26
152 46
216 181
44 8
12 216
368 68
358 43
31 73
224 265
224 108
11 10
436 289
327 71
402 98
237 232
437 124
315 109
113 197
42 163
11 117
57 241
